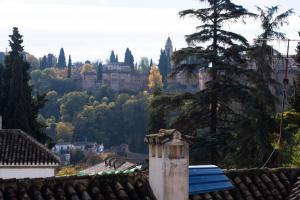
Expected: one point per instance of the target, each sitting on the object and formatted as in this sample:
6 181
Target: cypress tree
18 108
112 58
61 59
100 73
69 67
117 59
129 59
164 66
43 63
151 63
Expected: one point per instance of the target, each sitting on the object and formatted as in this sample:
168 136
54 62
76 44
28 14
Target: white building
24 157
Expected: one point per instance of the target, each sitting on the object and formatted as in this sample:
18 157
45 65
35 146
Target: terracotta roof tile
109 187
259 184
18 148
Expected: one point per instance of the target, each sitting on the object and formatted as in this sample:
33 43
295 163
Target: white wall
21 172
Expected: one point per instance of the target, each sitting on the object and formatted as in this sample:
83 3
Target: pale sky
90 29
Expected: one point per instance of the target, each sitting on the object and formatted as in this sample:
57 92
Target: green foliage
64 131
129 59
77 156
62 59
100 72
163 66
46 80
144 65
71 103
18 108
113 57
69 67
214 110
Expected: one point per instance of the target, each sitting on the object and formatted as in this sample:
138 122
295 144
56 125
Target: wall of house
156 174
26 172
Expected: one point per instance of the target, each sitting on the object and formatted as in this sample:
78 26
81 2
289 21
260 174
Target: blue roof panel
207 178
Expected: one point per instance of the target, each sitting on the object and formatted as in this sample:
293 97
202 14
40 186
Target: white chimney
168 164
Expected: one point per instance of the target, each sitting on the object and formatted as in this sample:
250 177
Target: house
21 156
172 179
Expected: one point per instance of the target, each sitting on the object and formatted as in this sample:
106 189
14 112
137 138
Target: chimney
0 122
168 164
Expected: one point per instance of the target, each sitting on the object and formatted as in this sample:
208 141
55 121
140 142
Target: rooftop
18 148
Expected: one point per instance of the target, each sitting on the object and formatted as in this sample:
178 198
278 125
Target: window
152 150
159 150
176 151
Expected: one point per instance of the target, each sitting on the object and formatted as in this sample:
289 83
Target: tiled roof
18 148
259 184
109 187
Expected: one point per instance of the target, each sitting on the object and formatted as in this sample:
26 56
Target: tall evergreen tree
163 66
112 58
18 108
69 67
61 59
260 110
151 63
117 58
129 59
212 110
100 73
43 63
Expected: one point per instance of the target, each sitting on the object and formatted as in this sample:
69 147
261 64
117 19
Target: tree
51 60
212 111
18 108
100 73
69 67
43 63
64 131
259 111
112 58
61 59
129 59
163 66
144 65
155 79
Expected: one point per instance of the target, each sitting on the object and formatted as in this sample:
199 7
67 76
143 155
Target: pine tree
117 59
151 63
164 66
18 108
69 67
61 59
129 59
212 110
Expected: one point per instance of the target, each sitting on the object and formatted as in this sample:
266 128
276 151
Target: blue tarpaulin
207 178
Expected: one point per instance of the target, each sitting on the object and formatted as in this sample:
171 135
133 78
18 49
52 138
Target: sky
90 29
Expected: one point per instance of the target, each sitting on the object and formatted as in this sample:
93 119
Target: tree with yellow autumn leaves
155 82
